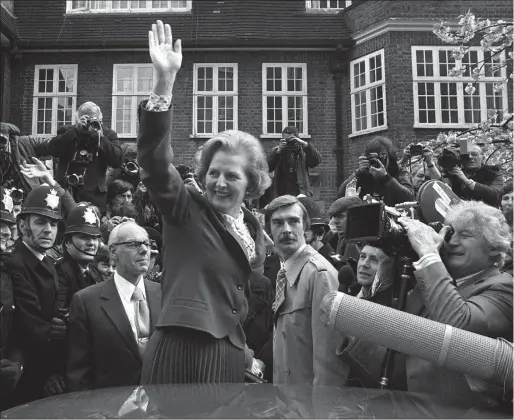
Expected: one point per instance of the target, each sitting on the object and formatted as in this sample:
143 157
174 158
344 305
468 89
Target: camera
131 167
85 153
373 159
454 155
416 150
93 123
185 172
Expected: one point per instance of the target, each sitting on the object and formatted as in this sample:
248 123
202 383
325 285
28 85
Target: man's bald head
90 109
126 231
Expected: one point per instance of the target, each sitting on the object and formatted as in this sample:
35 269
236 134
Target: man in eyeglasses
111 322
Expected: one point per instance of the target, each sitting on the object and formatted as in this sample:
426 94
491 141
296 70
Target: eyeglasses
135 245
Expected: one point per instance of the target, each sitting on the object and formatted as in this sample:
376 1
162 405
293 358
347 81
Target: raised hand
166 57
35 170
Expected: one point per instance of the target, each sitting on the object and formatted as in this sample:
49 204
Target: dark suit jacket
205 268
71 280
102 349
481 304
110 154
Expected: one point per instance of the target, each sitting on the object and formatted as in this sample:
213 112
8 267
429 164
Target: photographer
428 171
463 287
291 161
379 174
470 178
85 151
129 169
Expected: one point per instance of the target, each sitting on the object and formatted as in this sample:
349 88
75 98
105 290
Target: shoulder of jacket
319 262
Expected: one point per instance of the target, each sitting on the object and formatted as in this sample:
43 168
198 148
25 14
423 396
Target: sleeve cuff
158 103
427 260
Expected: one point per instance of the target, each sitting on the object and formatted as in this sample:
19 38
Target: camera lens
73 180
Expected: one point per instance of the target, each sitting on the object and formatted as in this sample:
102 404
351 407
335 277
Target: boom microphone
483 357
345 277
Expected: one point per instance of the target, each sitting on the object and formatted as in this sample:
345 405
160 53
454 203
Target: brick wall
366 13
95 84
399 94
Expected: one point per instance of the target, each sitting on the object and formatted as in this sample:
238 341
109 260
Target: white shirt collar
38 254
238 219
291 259
126 288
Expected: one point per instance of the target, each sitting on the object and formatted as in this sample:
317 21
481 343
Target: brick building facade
341 75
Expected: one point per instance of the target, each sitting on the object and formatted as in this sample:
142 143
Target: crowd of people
121 268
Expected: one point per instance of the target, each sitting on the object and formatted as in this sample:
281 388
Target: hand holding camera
58 329
374 165
91 126
423 238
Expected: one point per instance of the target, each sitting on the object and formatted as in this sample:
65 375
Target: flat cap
343 204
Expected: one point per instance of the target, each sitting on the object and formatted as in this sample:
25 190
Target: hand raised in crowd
428 155
58 329
35 170
166 57
282 145
379 172
423 239
458 174
55 385
363 164
406 153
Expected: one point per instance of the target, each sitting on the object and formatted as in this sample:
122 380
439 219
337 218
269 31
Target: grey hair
115 233
489 221
92 106
238 142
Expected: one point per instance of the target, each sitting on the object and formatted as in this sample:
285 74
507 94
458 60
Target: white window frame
215 95
134 94
367 88
284 93
314 6
147 9
459 80
55 94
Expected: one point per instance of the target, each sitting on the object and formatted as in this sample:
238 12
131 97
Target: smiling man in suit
111 322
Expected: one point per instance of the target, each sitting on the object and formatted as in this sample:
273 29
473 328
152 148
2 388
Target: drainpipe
338 67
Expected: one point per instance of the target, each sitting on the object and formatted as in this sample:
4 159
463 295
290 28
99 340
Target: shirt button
283 334
234 310
239 287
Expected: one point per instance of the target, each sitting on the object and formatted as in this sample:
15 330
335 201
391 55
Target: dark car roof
256 401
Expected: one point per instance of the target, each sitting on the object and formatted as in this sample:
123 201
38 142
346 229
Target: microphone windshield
345 277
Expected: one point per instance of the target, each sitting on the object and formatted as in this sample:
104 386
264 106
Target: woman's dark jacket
205 267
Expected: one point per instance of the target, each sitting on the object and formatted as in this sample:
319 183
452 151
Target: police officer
11 367
81 241
37 325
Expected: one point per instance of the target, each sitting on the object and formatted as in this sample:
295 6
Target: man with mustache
303 348
37 326
81 241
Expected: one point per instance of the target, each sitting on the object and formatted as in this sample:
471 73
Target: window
131 84
284 100
9 6
368 95
440 98
55 98
215 98
127 6
327 5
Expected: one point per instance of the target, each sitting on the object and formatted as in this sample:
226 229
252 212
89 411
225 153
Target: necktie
142 319
280 289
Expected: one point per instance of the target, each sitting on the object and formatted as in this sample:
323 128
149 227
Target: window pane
494 99
225 113
294 79
46 81
124 82
424 63
360 111
359 76
204 116
375 69
274 114
449 113
205 79
144 79
124 114
472 113
295 112
470 60
446 62
274 79
179 4
491 64
98 4
426 102
66 80
64 111
225 79
377 106
44 116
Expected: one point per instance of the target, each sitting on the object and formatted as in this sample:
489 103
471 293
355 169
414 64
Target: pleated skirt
176 355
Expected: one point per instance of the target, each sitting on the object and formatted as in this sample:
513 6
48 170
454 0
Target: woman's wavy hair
378 143
489 222
239 143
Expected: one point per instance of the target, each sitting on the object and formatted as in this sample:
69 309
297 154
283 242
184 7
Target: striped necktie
280 289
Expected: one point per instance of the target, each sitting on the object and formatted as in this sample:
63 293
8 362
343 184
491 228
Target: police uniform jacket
71 280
